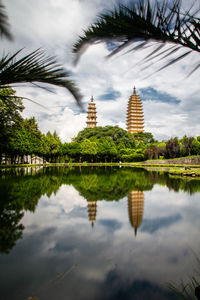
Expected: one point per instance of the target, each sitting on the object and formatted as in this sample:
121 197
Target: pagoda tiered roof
92 211
135 118
135 208
91 114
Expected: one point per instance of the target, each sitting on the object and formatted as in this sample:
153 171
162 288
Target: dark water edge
95 233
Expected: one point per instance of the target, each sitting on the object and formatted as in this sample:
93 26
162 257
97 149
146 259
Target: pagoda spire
135 119
91 114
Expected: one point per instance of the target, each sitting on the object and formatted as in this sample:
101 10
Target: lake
96 233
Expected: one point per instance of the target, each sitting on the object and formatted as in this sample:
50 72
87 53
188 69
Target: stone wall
183 161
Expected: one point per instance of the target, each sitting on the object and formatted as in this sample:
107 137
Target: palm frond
4 25
144 22
35 67
187 291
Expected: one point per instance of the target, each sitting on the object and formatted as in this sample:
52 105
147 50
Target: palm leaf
144 22
35 67
4 26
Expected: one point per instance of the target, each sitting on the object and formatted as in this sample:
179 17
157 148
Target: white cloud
55 26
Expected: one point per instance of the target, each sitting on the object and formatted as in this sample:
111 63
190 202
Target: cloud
170 99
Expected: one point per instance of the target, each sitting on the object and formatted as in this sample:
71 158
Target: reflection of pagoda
92 211
92 115
135 120
135 208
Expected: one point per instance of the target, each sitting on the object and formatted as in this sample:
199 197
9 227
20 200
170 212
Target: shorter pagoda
92 211
135 120
92 114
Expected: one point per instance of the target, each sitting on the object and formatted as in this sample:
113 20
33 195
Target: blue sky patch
152 94
110 94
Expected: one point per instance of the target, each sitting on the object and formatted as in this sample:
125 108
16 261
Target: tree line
21 138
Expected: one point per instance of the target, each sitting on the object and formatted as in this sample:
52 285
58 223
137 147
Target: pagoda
135 120
92 114
135 208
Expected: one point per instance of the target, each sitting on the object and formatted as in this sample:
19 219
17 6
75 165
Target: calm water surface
101 233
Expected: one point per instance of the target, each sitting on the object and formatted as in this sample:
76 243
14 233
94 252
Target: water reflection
135 208
92 211
20 190
60 254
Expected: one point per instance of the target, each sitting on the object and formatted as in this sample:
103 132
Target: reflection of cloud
152 225
116 288
108 259
68 198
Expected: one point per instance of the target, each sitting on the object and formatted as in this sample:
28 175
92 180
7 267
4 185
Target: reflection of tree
110 184
190 185
135 208
10 229
20 191
18 194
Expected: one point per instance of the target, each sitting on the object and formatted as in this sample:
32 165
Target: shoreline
183 170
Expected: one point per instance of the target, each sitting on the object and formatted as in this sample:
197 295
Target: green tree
26 139
186 145
75 150
195 147
54 144
145 137
89 149
172 148
106 149
115 133
45 147
10 117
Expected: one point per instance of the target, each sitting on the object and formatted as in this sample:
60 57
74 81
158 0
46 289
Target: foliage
88 148
20 137
34 67
145 137
10 109
4 25
187 291
118 135
144 21
186 146
172 148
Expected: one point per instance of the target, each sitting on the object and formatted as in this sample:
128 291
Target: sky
171 100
